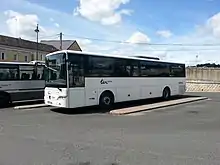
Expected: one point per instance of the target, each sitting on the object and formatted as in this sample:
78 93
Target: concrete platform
147 107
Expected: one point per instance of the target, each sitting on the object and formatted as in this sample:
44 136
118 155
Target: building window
15 57
25 58
32 57
3 56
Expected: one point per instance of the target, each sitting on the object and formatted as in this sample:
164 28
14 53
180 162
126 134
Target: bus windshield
56 70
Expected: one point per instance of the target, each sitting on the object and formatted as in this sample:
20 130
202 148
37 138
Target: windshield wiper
51 68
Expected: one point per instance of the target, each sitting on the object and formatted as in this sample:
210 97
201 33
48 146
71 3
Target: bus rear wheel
4 100
106 100
166 93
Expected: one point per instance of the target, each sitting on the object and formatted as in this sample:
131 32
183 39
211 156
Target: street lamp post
37 31
197 67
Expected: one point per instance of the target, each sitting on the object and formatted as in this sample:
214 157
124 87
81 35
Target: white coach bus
21 82
77 79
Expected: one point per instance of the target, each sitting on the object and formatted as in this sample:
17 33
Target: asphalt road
185 134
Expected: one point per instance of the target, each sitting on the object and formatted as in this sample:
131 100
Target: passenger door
76 71
76 80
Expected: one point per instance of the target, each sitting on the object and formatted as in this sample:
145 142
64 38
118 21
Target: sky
172 30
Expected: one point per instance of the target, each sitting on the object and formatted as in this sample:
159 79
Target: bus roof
17 63
108 55
14 62
36 61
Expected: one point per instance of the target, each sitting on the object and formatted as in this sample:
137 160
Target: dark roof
21 43
66 44
56 43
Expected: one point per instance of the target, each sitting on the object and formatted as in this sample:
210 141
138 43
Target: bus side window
8 73
39 72
34 77
177 70
23 76
145 69
27 76
135 69
100 66
42 76
122 68
1 76
26 72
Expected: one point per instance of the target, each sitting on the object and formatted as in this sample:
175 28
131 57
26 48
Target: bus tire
166 93
5 99
106 100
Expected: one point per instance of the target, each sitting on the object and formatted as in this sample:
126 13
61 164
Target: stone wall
203 74
203 79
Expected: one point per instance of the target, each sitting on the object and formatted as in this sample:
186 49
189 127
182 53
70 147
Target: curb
129 110
31 106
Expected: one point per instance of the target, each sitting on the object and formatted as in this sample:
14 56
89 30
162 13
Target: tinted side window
135 70
122 68
8 72
100 66
162 69
154 69
177 70
40 73
27 72
146 69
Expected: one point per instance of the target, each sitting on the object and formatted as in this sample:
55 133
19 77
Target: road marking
136 114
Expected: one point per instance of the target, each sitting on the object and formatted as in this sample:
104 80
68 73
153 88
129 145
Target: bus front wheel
106 100
166 93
